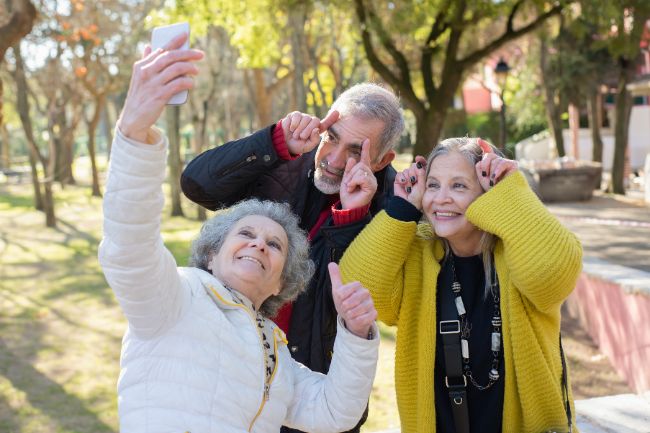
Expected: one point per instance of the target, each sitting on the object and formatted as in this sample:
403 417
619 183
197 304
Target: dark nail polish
491 183
403 180
412 179
492 176
418 165
484 173
408 189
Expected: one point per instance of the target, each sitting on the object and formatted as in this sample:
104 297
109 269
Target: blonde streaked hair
472 152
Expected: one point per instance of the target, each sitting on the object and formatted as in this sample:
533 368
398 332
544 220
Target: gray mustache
325 166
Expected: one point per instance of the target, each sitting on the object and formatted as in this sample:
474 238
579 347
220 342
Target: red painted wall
619 323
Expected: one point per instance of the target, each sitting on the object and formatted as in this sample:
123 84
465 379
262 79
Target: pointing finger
329 120
365 152
351 162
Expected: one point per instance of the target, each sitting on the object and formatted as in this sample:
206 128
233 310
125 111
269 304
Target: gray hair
298 268
470 150
372 101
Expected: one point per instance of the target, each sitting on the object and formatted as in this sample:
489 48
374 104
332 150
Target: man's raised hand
302 131
359 183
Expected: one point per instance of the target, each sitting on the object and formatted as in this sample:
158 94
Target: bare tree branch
510 34
404 86
20 24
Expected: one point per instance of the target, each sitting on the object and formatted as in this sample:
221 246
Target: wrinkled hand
410 184
492 168
353 303
302 131
359 184
157 77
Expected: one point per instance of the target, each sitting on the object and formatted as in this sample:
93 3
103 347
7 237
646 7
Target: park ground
61 327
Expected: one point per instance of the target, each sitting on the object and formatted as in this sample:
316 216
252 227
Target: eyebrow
272 237
453 178
332 131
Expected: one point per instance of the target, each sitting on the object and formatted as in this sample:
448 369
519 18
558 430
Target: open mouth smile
252 259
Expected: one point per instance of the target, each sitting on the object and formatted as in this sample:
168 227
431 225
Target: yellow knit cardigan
537 262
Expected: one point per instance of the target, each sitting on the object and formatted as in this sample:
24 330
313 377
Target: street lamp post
501 72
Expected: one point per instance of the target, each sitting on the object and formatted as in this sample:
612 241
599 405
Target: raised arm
228 173
141 272
543 257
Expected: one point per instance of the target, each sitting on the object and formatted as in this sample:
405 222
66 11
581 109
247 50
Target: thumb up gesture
353 303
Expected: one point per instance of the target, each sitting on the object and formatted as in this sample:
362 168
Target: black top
485 407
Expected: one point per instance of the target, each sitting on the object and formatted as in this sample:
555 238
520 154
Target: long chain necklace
465 329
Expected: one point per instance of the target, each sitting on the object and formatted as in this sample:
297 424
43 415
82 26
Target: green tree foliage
424 49
619 26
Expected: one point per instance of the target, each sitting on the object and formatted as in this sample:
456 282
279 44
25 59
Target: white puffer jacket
192 362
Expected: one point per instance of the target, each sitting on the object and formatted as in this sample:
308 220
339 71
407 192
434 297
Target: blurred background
563 86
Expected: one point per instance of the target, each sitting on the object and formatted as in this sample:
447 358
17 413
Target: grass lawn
61 328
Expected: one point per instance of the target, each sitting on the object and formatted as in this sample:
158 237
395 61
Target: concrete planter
576 183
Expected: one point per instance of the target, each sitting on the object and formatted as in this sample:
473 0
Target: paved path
616 230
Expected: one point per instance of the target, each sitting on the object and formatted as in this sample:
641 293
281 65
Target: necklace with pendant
465 329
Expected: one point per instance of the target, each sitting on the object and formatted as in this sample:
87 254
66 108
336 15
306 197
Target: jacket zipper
267 383
250 158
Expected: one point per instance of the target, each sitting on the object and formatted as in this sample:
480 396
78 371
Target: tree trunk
262 98
36 184
100 101
64 159
22 105
428 130
552 108
297 17
199 121
20 23
174 160
622 112
595 119
5 154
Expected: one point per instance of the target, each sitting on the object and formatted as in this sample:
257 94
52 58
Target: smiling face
252 258
343 141
451 186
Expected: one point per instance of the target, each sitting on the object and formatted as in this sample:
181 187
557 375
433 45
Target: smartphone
162 35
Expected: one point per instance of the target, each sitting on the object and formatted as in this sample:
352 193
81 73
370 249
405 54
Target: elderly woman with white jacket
200 354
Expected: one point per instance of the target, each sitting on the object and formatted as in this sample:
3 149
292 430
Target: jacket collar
225 299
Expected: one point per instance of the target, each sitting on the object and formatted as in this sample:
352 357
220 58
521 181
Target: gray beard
325 184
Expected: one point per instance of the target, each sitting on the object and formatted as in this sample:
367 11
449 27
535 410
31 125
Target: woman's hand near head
492 168
410 184
353 303
156 78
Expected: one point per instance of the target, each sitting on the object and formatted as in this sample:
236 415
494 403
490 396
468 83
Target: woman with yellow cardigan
475 293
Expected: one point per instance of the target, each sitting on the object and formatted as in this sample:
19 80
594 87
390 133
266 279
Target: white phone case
160 36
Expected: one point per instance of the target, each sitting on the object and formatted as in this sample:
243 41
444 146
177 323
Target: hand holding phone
158 77
160 37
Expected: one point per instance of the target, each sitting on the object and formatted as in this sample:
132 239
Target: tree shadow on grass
67 412
14 201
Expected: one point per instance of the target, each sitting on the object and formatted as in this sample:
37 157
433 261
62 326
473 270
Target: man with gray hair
321 168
